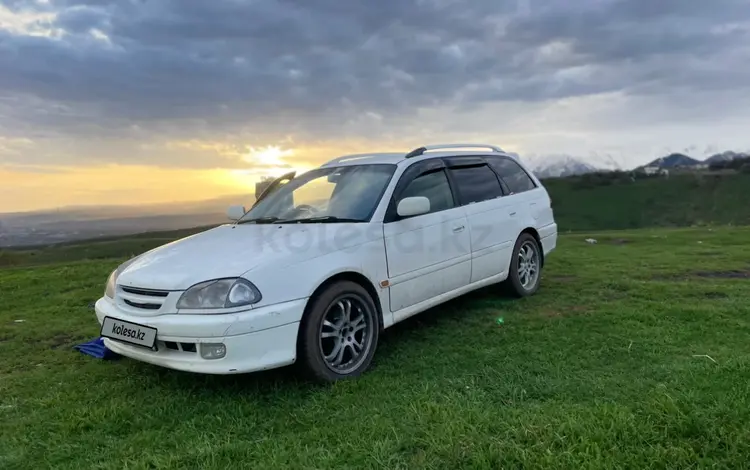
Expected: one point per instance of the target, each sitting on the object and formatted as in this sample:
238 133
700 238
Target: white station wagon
324 261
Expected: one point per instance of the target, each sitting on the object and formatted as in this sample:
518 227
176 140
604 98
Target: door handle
460 228
512 214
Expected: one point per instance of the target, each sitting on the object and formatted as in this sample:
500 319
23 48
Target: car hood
233 250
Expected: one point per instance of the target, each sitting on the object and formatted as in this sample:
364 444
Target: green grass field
594 202
633 354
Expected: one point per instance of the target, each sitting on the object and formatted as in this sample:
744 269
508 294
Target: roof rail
358 156
346 157
421 150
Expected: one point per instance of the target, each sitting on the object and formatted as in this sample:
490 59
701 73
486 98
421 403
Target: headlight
109 290
220 293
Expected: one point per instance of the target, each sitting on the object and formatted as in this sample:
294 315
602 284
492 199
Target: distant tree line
597 178
607 178
738 164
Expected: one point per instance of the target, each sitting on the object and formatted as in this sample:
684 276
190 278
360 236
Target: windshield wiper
320 219
259 220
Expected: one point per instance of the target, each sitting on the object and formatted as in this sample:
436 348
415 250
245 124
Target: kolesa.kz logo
122 331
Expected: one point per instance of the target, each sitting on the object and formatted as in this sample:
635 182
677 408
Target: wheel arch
352 276
532 231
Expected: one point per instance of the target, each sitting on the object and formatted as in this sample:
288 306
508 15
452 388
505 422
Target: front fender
300 280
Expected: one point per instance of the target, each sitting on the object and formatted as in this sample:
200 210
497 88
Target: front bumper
255 339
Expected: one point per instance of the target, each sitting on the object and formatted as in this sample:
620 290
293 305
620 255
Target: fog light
213 350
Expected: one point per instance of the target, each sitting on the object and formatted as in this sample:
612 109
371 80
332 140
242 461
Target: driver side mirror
235 212
411 206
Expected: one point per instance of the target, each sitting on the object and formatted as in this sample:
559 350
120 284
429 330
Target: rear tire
339 333
525 267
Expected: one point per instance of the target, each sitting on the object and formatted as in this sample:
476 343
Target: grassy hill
633 354
597 370
593 202
100 248
613 201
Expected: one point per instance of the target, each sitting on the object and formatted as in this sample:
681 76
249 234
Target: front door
428 254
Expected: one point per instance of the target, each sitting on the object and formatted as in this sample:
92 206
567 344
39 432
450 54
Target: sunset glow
270 156
117 185
237 170
132 102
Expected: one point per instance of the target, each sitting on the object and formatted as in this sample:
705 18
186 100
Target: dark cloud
310 66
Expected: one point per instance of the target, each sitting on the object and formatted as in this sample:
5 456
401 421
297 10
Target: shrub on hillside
736 164
600 178
11 258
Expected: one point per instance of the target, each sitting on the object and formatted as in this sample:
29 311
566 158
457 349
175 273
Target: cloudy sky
121 101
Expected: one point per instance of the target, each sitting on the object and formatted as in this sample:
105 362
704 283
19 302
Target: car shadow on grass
414 330
444 314
259 384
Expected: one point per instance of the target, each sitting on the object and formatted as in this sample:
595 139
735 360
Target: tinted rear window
514 176
476 184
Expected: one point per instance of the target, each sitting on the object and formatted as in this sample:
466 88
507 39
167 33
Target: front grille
146 306
146 292
143 299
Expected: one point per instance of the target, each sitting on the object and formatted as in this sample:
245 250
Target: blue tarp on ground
96 349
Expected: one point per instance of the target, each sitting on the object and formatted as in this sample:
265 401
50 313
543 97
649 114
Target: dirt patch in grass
563 278
620 241
62 340
565 311
731 274
614 291
728 274
709 253
613 295
713 295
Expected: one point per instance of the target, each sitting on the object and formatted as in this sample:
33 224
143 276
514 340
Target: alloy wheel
346 333
528 265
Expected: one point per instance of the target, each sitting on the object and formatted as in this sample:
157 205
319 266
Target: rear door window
513 175
476 183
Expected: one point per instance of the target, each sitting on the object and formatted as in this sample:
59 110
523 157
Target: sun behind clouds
264 162
269 156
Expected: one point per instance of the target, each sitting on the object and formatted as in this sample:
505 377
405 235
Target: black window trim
473 162
430 165
464 161
412 172
506 188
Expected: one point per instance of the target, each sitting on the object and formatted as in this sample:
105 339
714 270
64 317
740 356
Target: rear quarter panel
544 219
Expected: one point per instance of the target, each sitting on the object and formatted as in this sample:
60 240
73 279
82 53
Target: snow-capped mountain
681 160
556 166
725 157
674 160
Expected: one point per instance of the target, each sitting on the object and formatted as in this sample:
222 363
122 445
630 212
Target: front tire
525 267
339 333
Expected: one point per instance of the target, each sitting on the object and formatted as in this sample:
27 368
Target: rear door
427 254
521 188
534 207
490 215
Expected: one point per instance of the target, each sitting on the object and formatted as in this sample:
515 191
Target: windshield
335 194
